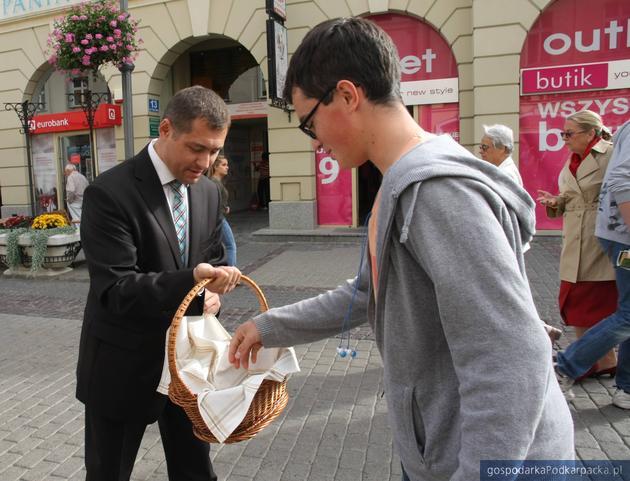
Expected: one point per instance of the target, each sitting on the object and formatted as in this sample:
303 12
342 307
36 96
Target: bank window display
570 63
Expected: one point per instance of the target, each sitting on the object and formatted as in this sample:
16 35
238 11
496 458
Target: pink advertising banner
334 191
575 57
427 64
542 151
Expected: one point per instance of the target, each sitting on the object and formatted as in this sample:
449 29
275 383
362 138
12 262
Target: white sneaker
566 383
621 399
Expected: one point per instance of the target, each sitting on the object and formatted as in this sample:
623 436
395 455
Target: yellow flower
49 221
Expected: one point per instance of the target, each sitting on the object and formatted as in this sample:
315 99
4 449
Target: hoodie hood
446 158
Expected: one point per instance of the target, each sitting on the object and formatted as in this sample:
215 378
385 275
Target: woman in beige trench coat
587 280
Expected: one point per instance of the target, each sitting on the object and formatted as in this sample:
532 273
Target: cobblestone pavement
335 425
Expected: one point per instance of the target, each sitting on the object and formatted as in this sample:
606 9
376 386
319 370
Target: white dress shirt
166 177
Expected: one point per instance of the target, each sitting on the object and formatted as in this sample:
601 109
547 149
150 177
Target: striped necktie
179 216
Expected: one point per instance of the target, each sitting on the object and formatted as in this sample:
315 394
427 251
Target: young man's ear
349 92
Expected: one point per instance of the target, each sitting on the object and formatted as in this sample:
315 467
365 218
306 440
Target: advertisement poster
334 192
570 63
44 172
106 149
427 64
542 151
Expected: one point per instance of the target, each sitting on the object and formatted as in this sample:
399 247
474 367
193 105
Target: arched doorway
574 58
225 66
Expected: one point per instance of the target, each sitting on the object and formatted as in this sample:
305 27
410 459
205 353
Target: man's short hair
197 103
70 168
353 49
501 136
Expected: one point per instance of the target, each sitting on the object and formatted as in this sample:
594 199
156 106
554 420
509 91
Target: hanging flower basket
92 34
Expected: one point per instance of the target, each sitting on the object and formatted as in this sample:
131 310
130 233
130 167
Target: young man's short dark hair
352 49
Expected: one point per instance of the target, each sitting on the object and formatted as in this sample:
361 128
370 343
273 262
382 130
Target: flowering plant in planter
92 34
15 222
42 227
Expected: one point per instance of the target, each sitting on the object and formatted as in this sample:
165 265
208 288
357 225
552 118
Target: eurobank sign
17 8
106 115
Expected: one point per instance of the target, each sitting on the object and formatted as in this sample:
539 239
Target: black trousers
111 447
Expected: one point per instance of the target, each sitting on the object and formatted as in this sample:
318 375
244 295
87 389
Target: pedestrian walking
218 172
76 183
613 232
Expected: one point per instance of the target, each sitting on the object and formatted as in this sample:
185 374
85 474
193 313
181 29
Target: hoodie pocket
407 424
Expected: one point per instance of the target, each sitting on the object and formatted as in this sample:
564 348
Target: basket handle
183 307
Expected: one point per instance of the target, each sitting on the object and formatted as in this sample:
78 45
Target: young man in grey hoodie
467 363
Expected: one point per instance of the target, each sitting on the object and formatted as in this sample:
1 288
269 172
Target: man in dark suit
150 230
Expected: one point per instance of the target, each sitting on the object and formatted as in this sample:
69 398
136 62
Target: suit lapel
152 192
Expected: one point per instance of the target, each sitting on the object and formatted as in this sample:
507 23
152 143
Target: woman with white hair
496 147
588 292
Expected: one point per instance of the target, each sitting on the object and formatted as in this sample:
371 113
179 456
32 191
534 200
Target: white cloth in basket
224 393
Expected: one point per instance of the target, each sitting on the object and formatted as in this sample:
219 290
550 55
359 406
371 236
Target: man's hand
245 342
223 279
211 303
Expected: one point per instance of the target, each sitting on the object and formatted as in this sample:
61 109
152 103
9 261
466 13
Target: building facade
465 63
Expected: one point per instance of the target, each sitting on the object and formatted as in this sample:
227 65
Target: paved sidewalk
335 425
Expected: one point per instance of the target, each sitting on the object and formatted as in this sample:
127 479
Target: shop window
78 86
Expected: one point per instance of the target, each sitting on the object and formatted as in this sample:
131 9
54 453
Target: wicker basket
268 402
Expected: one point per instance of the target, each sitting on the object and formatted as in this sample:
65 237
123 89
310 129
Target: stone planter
61 251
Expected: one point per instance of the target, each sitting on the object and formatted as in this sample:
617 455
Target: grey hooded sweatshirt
467 364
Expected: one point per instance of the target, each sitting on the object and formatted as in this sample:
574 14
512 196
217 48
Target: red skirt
585 303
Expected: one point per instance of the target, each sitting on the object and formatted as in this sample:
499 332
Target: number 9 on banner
329 168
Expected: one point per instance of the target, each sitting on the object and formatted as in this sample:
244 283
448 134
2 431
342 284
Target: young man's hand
245 344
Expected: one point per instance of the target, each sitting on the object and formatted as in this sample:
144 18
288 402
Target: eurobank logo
47 124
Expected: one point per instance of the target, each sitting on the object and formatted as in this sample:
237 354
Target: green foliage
39 243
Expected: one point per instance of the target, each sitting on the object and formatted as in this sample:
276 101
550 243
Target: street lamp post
25 112
125 70
89 102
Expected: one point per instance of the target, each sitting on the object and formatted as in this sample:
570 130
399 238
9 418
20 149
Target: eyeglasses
568 134
484 147
303 125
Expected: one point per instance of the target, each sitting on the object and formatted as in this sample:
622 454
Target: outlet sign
570 62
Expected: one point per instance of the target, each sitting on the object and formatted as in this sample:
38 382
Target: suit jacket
582 258
137 282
